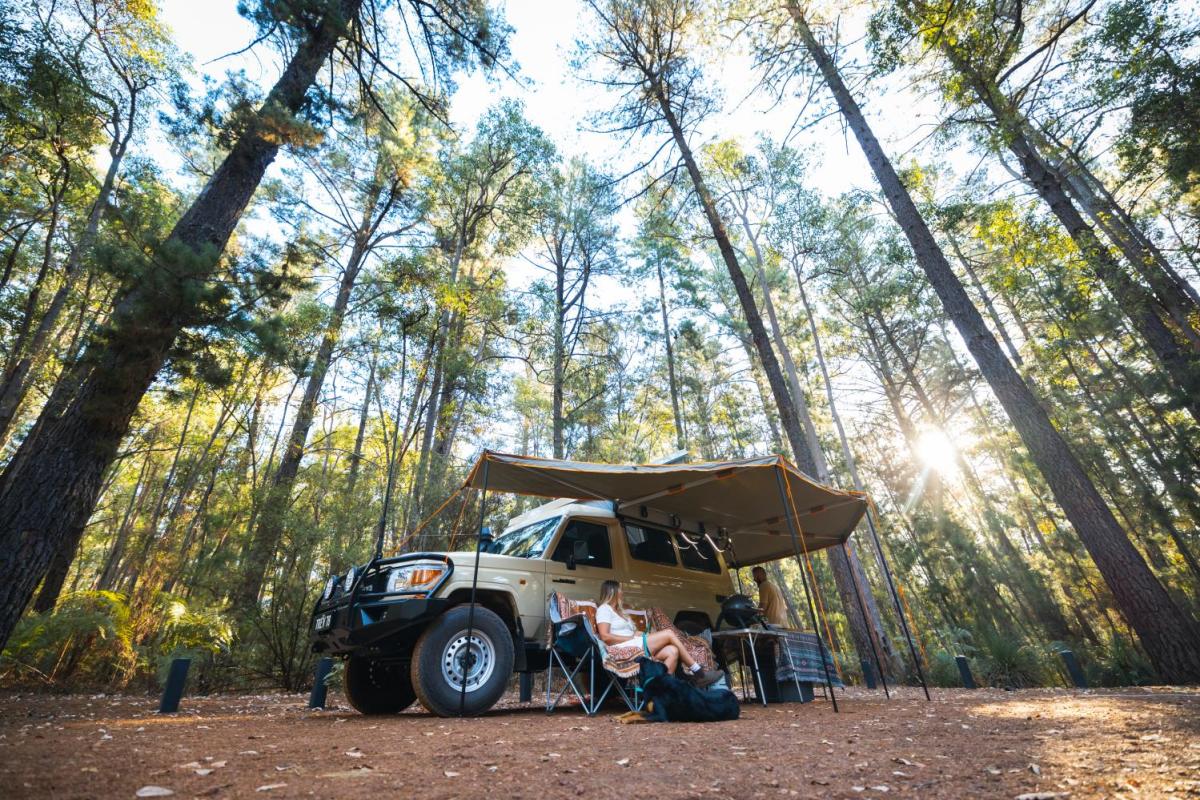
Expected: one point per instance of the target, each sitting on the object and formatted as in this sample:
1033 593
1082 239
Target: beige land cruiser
402 622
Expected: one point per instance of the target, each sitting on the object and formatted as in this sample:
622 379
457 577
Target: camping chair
578 651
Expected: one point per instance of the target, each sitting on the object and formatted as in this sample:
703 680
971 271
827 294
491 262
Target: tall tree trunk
559 354
109 574
848 574
672 381
57 487
986 298
52 584
265 541
364 416
758 332
806 455
1169 636
789 364
887 647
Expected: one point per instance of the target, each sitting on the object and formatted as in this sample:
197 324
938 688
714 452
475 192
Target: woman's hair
610 593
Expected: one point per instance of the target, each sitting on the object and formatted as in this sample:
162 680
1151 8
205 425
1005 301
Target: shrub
1119 663
201 634
1007 663
86 641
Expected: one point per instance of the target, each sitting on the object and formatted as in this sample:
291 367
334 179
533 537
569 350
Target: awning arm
571 486
813 510
719 475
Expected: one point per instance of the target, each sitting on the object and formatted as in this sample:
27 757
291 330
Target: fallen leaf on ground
268 787
204 771
624 762
357 772
450 774
154 791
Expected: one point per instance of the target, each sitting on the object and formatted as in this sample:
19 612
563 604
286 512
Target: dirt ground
985 743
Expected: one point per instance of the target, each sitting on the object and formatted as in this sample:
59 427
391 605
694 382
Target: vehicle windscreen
529 541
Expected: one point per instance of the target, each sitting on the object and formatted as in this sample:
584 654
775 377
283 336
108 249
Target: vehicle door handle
563 580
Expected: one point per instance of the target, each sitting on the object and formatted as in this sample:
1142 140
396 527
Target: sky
560 104
557 101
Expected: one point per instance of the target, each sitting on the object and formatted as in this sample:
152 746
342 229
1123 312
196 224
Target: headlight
414 577
348 581
329 584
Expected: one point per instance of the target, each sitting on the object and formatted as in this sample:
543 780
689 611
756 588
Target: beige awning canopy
746 499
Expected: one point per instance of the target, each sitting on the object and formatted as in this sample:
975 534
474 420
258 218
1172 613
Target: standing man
770 601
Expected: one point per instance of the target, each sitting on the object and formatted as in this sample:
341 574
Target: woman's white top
617 625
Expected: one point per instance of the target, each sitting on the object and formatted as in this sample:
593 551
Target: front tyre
444 657
378 687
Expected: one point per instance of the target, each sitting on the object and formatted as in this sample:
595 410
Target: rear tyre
378 687
443 654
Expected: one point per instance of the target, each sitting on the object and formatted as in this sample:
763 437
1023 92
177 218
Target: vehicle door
582 560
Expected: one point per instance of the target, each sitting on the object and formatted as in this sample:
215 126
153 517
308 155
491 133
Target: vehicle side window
650 544
587 541
697 553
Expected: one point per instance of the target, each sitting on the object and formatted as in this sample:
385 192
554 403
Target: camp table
751 636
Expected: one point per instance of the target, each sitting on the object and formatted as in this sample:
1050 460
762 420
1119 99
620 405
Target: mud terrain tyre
443 652
378 687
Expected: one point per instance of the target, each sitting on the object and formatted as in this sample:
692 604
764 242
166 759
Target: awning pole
887 573
779 478
466 657
862 607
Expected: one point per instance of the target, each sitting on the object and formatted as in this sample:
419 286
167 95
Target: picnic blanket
806 655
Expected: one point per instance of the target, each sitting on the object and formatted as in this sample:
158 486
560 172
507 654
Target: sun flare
937 451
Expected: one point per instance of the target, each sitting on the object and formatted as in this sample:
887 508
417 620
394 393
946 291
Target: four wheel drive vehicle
408 629
402 622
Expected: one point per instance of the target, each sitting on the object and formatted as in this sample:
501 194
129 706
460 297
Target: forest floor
984 743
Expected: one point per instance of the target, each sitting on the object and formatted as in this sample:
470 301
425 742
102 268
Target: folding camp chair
579 654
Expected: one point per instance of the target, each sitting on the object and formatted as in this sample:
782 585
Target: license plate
323 622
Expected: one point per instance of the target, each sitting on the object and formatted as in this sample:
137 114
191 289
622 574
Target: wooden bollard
173 691
868 674
1074 670
316 698
964 671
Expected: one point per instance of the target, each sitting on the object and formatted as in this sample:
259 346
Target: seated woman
618 632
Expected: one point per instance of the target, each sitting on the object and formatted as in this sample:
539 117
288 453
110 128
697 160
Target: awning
742 498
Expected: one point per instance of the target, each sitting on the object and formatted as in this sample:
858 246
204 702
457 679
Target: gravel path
986 743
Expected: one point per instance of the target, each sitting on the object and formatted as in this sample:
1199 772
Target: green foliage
201 634
1118 663
93 639
1008 663
86 641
